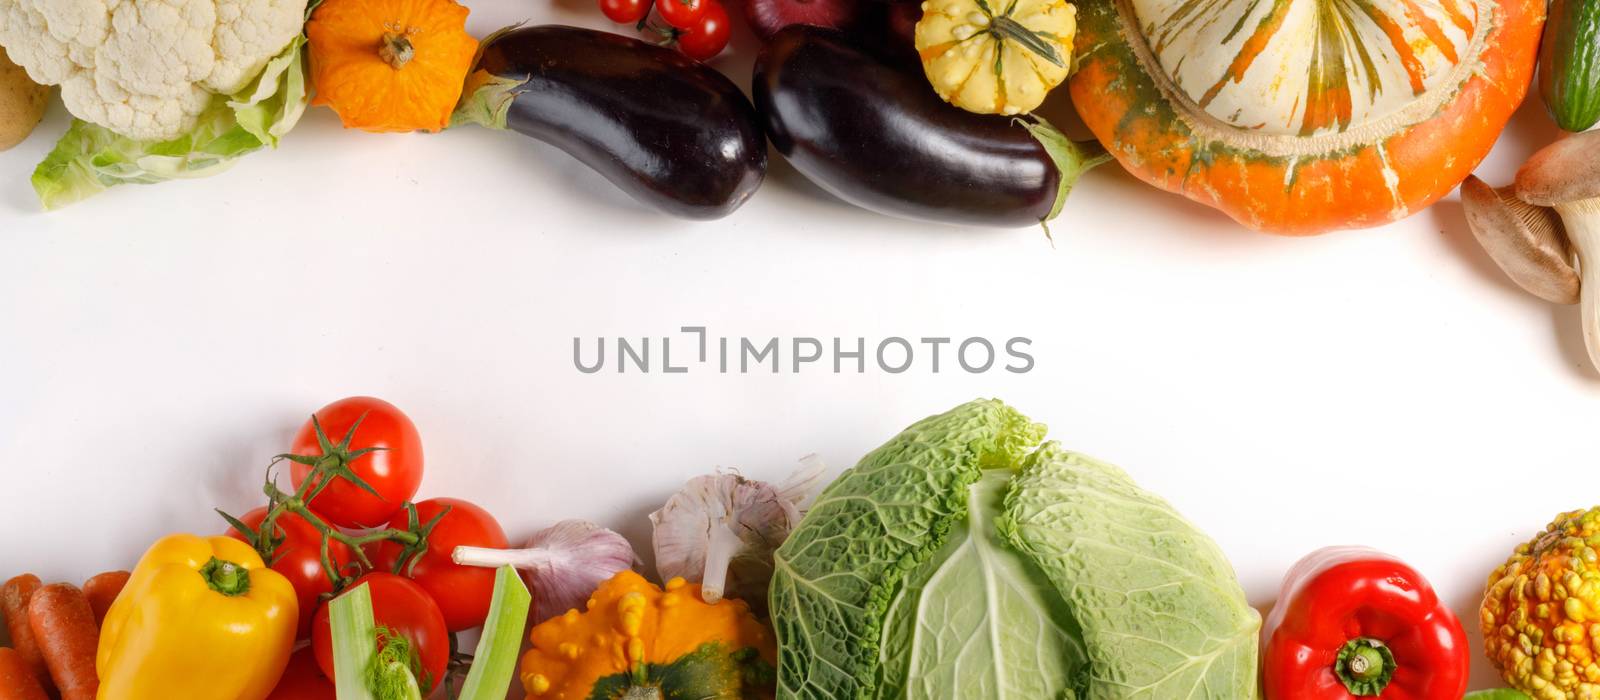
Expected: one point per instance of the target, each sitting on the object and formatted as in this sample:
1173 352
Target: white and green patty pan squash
965 559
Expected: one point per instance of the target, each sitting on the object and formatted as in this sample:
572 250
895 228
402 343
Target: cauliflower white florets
146 69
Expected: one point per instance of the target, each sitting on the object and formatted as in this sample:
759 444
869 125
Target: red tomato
302 680
709 36
401 605
394 472
299 559
462 592
682 14
625 11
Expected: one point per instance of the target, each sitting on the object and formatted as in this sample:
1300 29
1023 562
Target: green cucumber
1569 63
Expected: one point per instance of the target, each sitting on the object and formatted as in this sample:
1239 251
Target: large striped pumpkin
1303 116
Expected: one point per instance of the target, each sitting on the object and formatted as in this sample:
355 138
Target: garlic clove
720 530
563 564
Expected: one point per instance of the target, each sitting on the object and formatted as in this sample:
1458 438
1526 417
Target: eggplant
668 130
871 131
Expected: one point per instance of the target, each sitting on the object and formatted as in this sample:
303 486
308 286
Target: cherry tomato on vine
462 592
302 680
399 604
299 559
682 14
708 36
625 11
392 467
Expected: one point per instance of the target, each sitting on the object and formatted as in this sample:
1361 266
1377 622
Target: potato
22 103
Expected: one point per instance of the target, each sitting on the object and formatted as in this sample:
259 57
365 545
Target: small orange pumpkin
390 65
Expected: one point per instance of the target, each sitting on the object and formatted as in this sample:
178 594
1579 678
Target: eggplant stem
1072 159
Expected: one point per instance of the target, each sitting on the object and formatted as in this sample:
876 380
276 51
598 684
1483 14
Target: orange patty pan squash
1304 116
390 65
636 640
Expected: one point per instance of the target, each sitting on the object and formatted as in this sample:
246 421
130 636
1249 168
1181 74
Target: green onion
495 662
355 642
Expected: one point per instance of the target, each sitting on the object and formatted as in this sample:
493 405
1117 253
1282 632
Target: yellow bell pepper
201 618
996 56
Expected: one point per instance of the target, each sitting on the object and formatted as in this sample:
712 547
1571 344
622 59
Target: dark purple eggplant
668 130
870 130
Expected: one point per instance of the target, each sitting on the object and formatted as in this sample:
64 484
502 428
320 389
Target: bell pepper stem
226 577
1365 666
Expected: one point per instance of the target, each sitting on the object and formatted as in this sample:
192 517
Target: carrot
102 590
14 597
17 681
63 625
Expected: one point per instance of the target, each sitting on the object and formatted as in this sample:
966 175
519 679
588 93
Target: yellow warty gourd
1540 610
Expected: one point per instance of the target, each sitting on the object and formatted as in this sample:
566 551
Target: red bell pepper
1352 622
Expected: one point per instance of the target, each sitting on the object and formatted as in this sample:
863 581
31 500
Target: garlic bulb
563 564
721 529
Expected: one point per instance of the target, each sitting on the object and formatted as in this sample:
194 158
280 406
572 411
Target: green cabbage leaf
1162 612
90 159
983 620
962 559
838 573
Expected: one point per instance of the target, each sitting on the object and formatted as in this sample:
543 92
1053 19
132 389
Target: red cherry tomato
401 605
394 472
302 680
682 14
709 36
625 11
299 559
462 592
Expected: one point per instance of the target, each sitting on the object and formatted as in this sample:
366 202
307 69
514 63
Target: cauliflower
146 69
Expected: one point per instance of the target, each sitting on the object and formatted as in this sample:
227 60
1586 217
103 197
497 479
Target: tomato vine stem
334 463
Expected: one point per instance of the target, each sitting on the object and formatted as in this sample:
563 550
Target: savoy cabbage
965 559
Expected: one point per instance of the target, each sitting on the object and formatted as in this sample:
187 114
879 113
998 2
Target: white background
158 344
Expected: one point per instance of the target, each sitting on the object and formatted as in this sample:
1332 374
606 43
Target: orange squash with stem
390 65
1304 116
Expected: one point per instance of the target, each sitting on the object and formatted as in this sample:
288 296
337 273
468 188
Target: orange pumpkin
390 65
1303 116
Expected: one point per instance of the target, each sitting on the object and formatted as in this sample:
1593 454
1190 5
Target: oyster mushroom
1527 241
721 529
563 564
1566 175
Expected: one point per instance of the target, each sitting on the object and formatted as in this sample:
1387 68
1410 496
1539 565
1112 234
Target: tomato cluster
351 521
699 28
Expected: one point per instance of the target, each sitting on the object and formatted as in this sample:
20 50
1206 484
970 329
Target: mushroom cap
1528 242
1565 171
